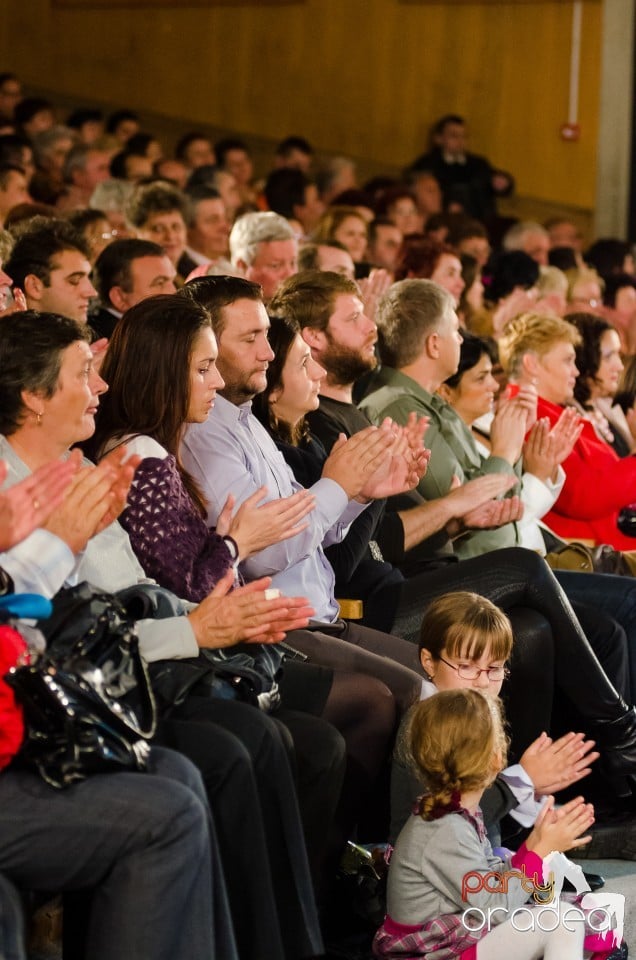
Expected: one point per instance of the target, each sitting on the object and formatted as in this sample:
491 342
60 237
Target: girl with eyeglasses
465 642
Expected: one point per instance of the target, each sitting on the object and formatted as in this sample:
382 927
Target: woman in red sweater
541 350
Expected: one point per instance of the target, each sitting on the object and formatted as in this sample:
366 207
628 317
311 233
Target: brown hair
309 298
282 333
147 368
332 219
464 624
457 741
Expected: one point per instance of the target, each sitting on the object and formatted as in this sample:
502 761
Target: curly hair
458 743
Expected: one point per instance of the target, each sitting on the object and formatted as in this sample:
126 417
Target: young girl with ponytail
440 902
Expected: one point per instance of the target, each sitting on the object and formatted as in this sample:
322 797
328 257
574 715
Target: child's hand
554 765
561 829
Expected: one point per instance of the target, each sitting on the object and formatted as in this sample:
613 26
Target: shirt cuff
522 789
39 564
171 638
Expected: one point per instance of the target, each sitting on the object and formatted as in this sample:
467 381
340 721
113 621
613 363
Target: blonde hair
552 280
332 219
464 624
533 333
458 744
582 275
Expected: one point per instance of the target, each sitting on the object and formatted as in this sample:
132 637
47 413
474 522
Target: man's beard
345 365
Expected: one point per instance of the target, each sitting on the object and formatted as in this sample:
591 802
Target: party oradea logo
603 913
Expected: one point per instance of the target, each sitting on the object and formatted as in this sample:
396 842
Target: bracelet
232 547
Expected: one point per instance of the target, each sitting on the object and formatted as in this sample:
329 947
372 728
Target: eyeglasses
468 671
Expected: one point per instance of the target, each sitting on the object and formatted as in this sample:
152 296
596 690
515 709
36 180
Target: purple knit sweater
169 535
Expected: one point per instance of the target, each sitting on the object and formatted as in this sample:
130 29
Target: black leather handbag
88 704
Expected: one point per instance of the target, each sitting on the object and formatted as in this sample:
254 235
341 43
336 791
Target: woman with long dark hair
172 338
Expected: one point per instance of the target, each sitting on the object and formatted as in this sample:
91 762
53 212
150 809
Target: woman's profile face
205 378
556 373
475 393
301 378
352 233
69 414
448 274
607 377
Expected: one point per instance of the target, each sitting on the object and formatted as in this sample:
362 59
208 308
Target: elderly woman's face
556 373
70 413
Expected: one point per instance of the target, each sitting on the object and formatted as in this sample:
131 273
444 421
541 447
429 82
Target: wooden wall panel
363 77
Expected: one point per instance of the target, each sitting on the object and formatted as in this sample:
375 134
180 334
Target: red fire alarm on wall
570 131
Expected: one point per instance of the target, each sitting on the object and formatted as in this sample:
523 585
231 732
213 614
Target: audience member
427 192
51 147
334 176
131 167
347 226
88 124
295 153
619 300
425 258
33 115
531 238
94 227
332 256
50 264
290 193
17 151
194 150
385 242
264 247
158 212
10 96
111 197
598 483
608 256
174 171
14 189
398 205
208 227
563 232
599 365
585 291
233 157
145 145
471 237
469 183
125 273
122 125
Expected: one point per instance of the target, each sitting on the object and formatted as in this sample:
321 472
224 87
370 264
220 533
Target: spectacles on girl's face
470 671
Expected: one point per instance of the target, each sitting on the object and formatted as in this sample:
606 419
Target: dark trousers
141 841
243 756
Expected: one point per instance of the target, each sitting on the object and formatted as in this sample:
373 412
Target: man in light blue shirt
232 453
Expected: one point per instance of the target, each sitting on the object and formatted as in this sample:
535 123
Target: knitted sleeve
169 536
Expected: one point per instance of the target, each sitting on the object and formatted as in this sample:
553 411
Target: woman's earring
38 419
